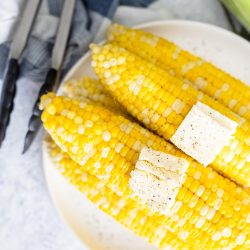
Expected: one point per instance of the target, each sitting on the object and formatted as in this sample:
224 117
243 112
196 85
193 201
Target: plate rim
77 64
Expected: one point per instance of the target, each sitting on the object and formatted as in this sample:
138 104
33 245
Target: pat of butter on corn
157 178
203 133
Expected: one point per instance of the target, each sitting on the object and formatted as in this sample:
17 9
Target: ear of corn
161 102
209 210
201 74
121 208
91 89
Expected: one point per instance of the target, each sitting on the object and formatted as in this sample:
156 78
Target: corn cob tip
95 48
46 100
115 25
111 30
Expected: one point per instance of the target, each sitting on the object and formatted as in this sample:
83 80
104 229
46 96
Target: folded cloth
90 21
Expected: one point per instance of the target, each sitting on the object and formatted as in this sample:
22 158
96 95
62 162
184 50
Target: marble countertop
28 219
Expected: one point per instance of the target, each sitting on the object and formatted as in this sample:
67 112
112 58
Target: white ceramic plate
95 229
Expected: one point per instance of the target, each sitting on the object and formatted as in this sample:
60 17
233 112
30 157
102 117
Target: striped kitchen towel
90 21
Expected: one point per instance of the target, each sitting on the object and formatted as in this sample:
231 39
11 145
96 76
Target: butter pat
203 133
157 178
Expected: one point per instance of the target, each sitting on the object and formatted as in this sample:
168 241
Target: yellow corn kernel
166 90
201 74
112 203
109 163
87 88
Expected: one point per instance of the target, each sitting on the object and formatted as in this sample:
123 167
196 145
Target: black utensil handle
35 119
46 87
7 95
34 124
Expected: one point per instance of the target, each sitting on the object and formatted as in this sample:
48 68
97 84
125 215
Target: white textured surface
27 218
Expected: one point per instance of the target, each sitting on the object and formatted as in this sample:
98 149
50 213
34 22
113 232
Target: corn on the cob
91 89
161 102
123 209
210 211
214 82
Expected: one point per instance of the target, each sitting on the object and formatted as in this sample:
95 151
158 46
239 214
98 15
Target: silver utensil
51 80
